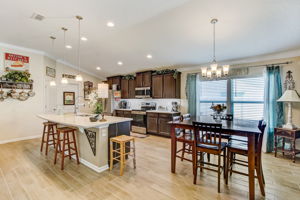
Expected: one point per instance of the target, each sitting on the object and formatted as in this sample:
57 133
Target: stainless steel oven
139 122
143 92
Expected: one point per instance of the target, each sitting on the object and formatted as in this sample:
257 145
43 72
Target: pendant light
64 80
78 76
214 71
52 82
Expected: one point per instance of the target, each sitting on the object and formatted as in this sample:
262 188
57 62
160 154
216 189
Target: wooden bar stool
121 153
50 129
64 135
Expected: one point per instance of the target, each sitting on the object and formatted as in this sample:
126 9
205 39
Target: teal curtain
191 89
273 110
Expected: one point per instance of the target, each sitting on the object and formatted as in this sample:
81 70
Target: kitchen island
92 137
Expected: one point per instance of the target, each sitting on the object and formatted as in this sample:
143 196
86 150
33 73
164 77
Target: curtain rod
283 63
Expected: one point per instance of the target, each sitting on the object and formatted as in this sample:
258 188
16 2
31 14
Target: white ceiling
175 32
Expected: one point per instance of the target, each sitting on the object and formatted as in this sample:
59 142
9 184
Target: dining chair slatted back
207 134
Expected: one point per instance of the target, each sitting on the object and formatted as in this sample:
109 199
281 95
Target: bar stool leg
63 151
134 158
111 156
43 138
47 140
122 159
75 147
57 147
68 143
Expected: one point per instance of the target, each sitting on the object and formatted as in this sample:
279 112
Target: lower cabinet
157 123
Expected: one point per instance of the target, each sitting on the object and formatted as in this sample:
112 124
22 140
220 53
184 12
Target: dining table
238 127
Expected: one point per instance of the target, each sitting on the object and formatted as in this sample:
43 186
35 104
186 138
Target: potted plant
97 105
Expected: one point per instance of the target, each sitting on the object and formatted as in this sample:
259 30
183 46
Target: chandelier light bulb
78 78
214 67
225 69
209 74
52 83
204 71
219 73
64 80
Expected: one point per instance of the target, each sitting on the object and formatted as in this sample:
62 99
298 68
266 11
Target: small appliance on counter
139 122
123 104
175 106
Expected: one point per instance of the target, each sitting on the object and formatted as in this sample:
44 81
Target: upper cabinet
128 88
144 79
157 86
166 86
114 80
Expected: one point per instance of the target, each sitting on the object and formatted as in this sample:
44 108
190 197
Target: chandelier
214 71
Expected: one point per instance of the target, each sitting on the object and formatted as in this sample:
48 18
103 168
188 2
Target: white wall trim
20 139
92 166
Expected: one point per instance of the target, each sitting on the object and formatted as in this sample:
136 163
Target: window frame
229 100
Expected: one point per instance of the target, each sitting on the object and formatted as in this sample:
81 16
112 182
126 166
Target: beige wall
294 67
18 118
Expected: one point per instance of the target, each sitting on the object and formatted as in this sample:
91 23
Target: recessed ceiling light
98 68
84 39
120 63
110 24
68 46
149 56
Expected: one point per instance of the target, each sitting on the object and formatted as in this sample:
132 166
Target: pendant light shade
64 80
78 77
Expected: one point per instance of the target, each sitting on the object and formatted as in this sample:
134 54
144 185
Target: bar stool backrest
207 134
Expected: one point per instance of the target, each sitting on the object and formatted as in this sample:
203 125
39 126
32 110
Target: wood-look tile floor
25 173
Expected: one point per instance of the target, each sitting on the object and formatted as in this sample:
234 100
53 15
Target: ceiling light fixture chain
79 77
214 21
52 82
64 80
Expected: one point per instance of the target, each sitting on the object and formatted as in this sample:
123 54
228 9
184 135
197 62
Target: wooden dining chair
184 136
207 139
236 147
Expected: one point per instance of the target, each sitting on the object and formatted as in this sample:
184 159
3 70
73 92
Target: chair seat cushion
207 146
239 138
239 145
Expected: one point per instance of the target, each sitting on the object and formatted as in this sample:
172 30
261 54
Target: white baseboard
92 166
20 139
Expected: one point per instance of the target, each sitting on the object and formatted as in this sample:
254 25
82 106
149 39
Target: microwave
142 92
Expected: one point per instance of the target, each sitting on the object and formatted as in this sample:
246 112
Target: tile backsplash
167 103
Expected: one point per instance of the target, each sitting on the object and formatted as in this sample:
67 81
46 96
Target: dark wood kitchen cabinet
124 89
157 86
131 89
123 113
114 80
128 89
166 86
157 123
152 122
144 79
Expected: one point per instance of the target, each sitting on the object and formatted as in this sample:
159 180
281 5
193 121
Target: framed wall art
51 72
69 98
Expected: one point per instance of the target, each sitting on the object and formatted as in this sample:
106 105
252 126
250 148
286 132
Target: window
245 97
212 92
248 98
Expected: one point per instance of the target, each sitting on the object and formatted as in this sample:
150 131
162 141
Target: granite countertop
81 120
151 111
162 111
